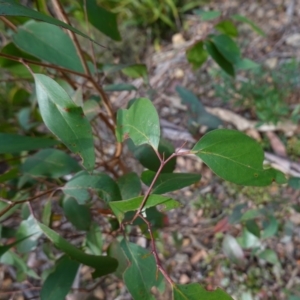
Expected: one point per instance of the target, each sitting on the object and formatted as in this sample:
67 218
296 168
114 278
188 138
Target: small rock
293 40
271 63
177 40
178 73
184 279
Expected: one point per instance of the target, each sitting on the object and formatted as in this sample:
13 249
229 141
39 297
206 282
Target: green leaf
79 215
253 228
82 183
15 67
11 174
136 71
49 43
294 182
5 248
105 21
208 15
64 119
46 216
27 228
14 143
116 252
102 264
251 214
248 240
141 274
249 22
12 8
246 64
227 47
94 239
50 163
270 256
196 109
196 55
91 109
219 58
140 123
59 282
148 158
121 207
129 185
270 228
194 291
235 157
227 27
169 182
118 87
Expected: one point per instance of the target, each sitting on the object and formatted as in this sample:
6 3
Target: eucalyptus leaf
59 282
83 183
121 207
236 157
140 123
130 185
49 43
50 163
169 182
194 291
141 274
64 119
102 264
14 143
12 8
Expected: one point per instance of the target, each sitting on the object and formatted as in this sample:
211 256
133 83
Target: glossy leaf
59 282
227 47
80 186
94 239
227 27
219 58
121 207
148 158
197 55
79 215
49 43
196 109
27 228
102 264
194 291
249 22
12 8
118 87
104 20
64 119
14 143
236 157
140 123
136 71
169 182
5 248
50 163
130 185
141 274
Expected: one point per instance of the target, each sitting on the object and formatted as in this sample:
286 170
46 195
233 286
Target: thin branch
154 251
37 63
8 23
